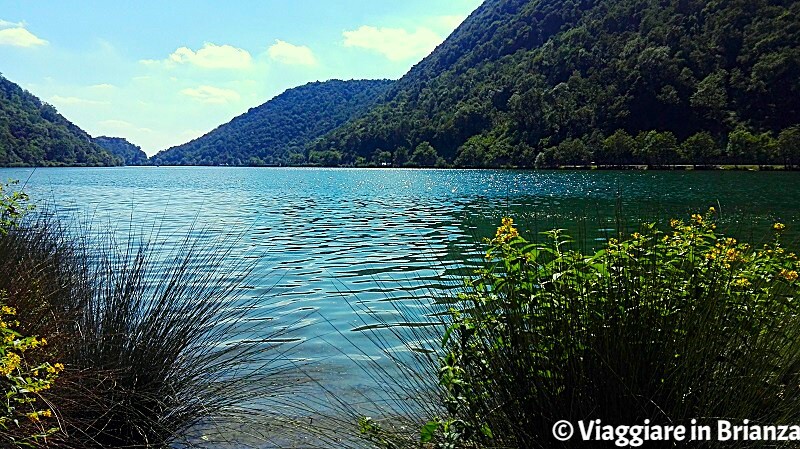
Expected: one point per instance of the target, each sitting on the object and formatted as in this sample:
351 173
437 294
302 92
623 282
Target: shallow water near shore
335 250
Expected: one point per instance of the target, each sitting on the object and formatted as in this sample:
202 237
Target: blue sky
162 73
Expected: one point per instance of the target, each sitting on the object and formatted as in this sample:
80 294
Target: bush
665 326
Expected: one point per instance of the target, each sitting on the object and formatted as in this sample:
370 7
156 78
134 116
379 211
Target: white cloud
211 94
7 24
59 100
103 86
397 44
211 56
16 35
122 126
290 54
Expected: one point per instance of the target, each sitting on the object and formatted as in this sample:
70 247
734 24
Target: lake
333 246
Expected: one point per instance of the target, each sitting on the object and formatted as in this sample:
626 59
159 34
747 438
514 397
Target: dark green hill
519 77
131 154
33 133
277 132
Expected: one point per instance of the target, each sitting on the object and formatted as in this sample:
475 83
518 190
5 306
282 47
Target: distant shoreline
677 167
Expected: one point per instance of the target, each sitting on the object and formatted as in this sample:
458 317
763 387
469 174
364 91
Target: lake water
329 244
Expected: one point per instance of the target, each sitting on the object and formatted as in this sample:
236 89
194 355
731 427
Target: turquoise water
332 245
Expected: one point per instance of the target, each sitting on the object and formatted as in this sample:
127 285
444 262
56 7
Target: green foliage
573 152
533 74
744 146
618 148
131 154
660 325
788 146
33 133
13 206
278 131
382 158
329 158
401 157
23 376
424 155
710 95
700 149
657 148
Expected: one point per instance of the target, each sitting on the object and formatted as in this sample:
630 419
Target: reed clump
152 347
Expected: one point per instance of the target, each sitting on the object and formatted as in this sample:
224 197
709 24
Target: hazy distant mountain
131 154
277 132
33 133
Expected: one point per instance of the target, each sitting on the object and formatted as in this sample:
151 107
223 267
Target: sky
160 73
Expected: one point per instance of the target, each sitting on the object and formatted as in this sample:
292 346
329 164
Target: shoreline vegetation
649 150
105 348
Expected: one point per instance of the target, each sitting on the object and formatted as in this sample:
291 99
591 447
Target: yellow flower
33 416
674 223
6 310
789 275
779 227
732 255
9 363
506 231
712 209
741 283
47 413
697 218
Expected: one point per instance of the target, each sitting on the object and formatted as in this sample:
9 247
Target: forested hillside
131 154
277 132
33 133
608 81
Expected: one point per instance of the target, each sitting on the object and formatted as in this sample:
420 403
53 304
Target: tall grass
161 346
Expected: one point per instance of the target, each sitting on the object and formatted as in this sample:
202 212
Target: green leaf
428 431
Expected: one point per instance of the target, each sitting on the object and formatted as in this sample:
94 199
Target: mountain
611 81
129 153
33 133
277 132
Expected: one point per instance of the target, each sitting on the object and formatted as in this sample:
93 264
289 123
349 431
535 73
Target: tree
471 154
329 158
618 148
573 152
546 159
789 146
657 148
745 147
424 155
711 96
381 158
400 157
700 149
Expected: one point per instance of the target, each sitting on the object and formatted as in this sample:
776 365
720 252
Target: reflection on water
330 244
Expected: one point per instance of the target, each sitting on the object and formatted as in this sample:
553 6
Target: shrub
23 372
665 326
22 379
